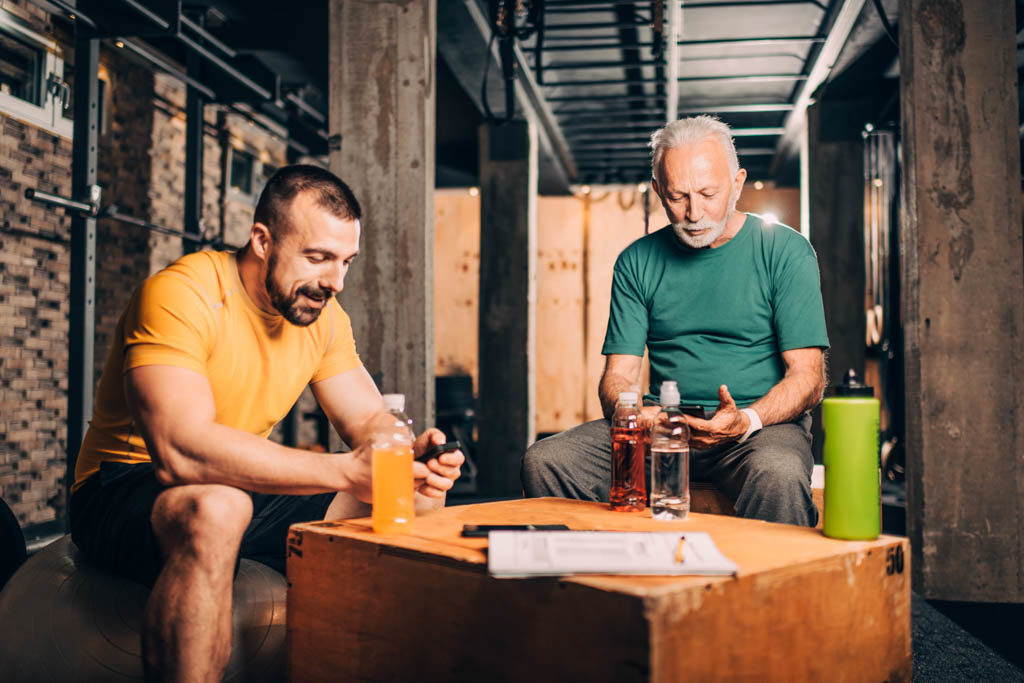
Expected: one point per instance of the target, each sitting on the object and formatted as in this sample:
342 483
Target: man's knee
206 521
539 461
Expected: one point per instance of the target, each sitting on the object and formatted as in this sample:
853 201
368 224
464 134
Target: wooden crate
422 606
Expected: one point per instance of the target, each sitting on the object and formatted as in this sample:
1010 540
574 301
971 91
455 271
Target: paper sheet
554 553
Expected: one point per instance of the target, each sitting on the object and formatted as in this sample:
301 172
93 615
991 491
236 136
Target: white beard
685 229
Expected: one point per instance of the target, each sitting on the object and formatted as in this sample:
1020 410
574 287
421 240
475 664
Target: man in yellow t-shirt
175 478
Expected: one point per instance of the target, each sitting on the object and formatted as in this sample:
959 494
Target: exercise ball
62 619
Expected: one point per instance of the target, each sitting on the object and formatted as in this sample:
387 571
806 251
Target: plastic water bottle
393 508
670 458
853 506
629 448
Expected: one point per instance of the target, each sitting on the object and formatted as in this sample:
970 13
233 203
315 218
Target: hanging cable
885 22
506 31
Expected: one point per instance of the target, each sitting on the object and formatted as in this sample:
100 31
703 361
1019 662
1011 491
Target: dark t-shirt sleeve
799 315
627 316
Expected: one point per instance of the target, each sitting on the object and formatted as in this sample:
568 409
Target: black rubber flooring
961 641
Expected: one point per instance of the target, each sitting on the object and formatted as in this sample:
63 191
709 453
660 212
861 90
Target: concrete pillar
836 201
835 189
963 305
508 303
382 66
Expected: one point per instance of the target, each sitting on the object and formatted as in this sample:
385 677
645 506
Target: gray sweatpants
768 477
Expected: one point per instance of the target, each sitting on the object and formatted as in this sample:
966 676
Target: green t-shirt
717 316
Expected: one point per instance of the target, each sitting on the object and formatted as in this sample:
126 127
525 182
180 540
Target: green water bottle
853 509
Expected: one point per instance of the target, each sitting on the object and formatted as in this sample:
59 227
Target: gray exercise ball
64 620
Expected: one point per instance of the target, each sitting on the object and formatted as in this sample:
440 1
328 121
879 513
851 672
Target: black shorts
110 521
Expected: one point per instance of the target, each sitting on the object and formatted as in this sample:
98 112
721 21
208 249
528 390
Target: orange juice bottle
393 510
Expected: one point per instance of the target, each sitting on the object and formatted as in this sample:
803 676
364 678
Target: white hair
689 131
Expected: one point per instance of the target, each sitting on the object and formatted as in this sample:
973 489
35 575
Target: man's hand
435 477
728 424
358 468
647 415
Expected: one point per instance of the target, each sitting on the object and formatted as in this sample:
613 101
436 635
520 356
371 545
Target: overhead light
585 189
118 43
877 182
641 187
770 218
474 192
758 185
71 17
869 127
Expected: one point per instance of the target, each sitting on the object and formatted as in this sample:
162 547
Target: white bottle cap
627 397
395 402
669 393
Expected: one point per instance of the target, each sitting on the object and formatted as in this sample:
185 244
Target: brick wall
34 280
142 170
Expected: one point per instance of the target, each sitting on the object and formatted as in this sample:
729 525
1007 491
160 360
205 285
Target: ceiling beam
463 45
675 29
796 120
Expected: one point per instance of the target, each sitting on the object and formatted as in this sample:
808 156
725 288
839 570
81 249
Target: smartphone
437 450
481 530
693 410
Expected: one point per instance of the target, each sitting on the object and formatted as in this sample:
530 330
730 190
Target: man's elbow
172 467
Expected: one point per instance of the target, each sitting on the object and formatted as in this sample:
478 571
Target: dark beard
289 306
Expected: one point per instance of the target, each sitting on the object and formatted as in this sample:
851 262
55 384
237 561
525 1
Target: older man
730 308
176 478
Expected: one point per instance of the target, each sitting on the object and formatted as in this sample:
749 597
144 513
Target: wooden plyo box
422 606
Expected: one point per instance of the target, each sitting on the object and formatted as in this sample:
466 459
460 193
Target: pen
679 549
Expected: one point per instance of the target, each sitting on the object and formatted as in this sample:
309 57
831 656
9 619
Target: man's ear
738 180
261 240
654 186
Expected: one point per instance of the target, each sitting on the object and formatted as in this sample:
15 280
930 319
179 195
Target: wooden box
423 607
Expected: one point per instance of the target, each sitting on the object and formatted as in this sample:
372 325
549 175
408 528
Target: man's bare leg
345 506
187 632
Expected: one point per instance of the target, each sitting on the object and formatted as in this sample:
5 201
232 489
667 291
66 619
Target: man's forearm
794 394
611 387
217 454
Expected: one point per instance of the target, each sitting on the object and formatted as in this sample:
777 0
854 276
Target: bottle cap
627 397
851 387
669 393
395 402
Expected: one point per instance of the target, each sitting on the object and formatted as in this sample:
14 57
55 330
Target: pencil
679 549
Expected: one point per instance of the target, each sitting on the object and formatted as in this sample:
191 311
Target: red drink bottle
629 447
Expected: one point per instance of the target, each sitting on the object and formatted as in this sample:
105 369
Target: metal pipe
207 36
751 41
166 67
306 108
606 98
596 46
195 124
113 213
619 64
597 25
675 29
615 132
740 78
241 78
57 200
150 16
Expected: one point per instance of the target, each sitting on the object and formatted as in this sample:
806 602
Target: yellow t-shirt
195 314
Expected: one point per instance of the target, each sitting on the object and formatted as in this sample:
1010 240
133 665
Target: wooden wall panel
784 202
456 282
571 316
613 221
561 357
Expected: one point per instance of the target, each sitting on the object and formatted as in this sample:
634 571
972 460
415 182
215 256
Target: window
32 88
242 166
21 69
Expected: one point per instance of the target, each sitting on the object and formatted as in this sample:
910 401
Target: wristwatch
755 423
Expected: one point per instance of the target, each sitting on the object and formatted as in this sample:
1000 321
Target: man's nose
334 279
694 210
